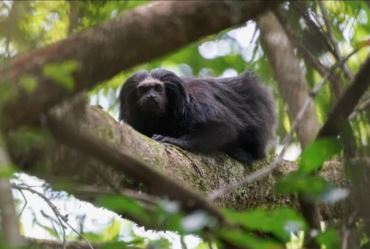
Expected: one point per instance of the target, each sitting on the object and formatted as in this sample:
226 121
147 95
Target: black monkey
234 115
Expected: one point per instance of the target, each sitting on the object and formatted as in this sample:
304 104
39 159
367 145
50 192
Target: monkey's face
152 96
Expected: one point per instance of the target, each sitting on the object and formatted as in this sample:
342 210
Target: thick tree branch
138 36
291 82
125 164
347 102
203 173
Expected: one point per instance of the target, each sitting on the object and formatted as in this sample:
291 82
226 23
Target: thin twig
143 197
61 225
25 203
209 244
311 20
60 217
346 228
309 57
182 241
266 171
330 36
50 204
360 108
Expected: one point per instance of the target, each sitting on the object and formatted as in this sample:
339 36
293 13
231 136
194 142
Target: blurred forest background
62 66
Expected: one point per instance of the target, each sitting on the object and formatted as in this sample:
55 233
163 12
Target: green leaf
111 232
137 242
296 241
297 182
171 222
61 73
93 236
8 93
329 239
50 231
110 235
26 139
317 153
126 206
114 245
6 171
245 240
161 243
29 83
314 187
281 222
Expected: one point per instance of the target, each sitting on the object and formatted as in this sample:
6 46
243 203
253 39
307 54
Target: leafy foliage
61 73
241 239
280 222
329 239
317 153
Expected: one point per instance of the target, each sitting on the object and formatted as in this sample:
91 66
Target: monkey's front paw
163 139
158 137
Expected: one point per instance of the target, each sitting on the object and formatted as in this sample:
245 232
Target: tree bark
9 224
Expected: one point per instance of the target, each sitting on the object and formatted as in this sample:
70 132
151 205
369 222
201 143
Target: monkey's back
243 103
242 96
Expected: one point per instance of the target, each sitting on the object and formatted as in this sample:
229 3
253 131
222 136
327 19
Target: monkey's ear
176 91
122 100
127 94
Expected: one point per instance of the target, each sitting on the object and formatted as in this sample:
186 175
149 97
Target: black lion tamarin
234 115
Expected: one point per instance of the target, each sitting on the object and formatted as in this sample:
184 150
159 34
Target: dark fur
234 115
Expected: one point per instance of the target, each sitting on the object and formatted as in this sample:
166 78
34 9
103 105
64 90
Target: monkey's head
153 94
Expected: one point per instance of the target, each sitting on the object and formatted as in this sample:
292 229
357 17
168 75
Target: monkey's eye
141 90
158 88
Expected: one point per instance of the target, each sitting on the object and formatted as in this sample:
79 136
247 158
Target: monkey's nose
152 100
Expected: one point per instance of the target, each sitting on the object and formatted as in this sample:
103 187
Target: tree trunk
289 77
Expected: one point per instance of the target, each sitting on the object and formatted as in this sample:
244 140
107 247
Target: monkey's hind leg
242 156
208 138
